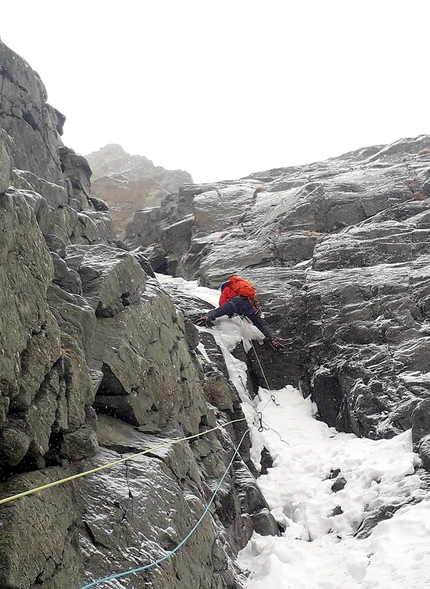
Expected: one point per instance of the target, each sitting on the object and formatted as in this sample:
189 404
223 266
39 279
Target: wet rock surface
338 251
97 363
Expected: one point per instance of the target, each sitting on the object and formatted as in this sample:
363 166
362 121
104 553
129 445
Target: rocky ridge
128 183
339 252
97 364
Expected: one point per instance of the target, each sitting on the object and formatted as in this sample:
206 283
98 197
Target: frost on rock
338 251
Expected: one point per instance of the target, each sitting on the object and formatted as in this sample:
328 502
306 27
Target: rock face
339 252
164 233
97 364
128 183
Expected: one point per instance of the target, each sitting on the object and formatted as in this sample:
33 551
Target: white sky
222 89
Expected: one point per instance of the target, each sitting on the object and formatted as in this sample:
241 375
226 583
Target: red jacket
227 293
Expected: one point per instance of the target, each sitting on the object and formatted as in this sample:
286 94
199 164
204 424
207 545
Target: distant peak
110 148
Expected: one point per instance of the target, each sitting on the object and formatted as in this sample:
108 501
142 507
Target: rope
272 396
258 417
262 426
260 366
142 453
114 463
190 533
273 399
132 456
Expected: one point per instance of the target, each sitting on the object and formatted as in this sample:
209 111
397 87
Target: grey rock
56 244
176 240
5 163
266 460
80 444
421 421
424 451
126 520
50 554
4 407
380 514
37 360
93 227
14 445
99 204
144 262
157 257
68 279
338 251
218 391
339 484
149 376
45 214
79 384
74 316
264 523
131 182
112 279
26 268
80 320
78 172
55 194
28 118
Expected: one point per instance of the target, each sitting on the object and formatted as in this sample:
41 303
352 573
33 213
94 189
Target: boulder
149 377
112 279
80 444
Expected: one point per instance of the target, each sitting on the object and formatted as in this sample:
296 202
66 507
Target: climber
227 293
238 298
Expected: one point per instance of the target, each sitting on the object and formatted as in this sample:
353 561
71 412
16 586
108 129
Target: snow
317 548
191 287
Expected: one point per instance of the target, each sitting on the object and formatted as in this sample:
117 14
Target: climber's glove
204 322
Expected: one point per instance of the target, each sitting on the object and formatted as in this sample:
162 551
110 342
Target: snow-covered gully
327 490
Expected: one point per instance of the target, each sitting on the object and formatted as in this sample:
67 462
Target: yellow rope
110 464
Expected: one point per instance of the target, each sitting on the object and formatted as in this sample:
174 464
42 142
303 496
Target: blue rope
193 529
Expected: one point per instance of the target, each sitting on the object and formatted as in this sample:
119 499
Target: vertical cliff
97 364
339 252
